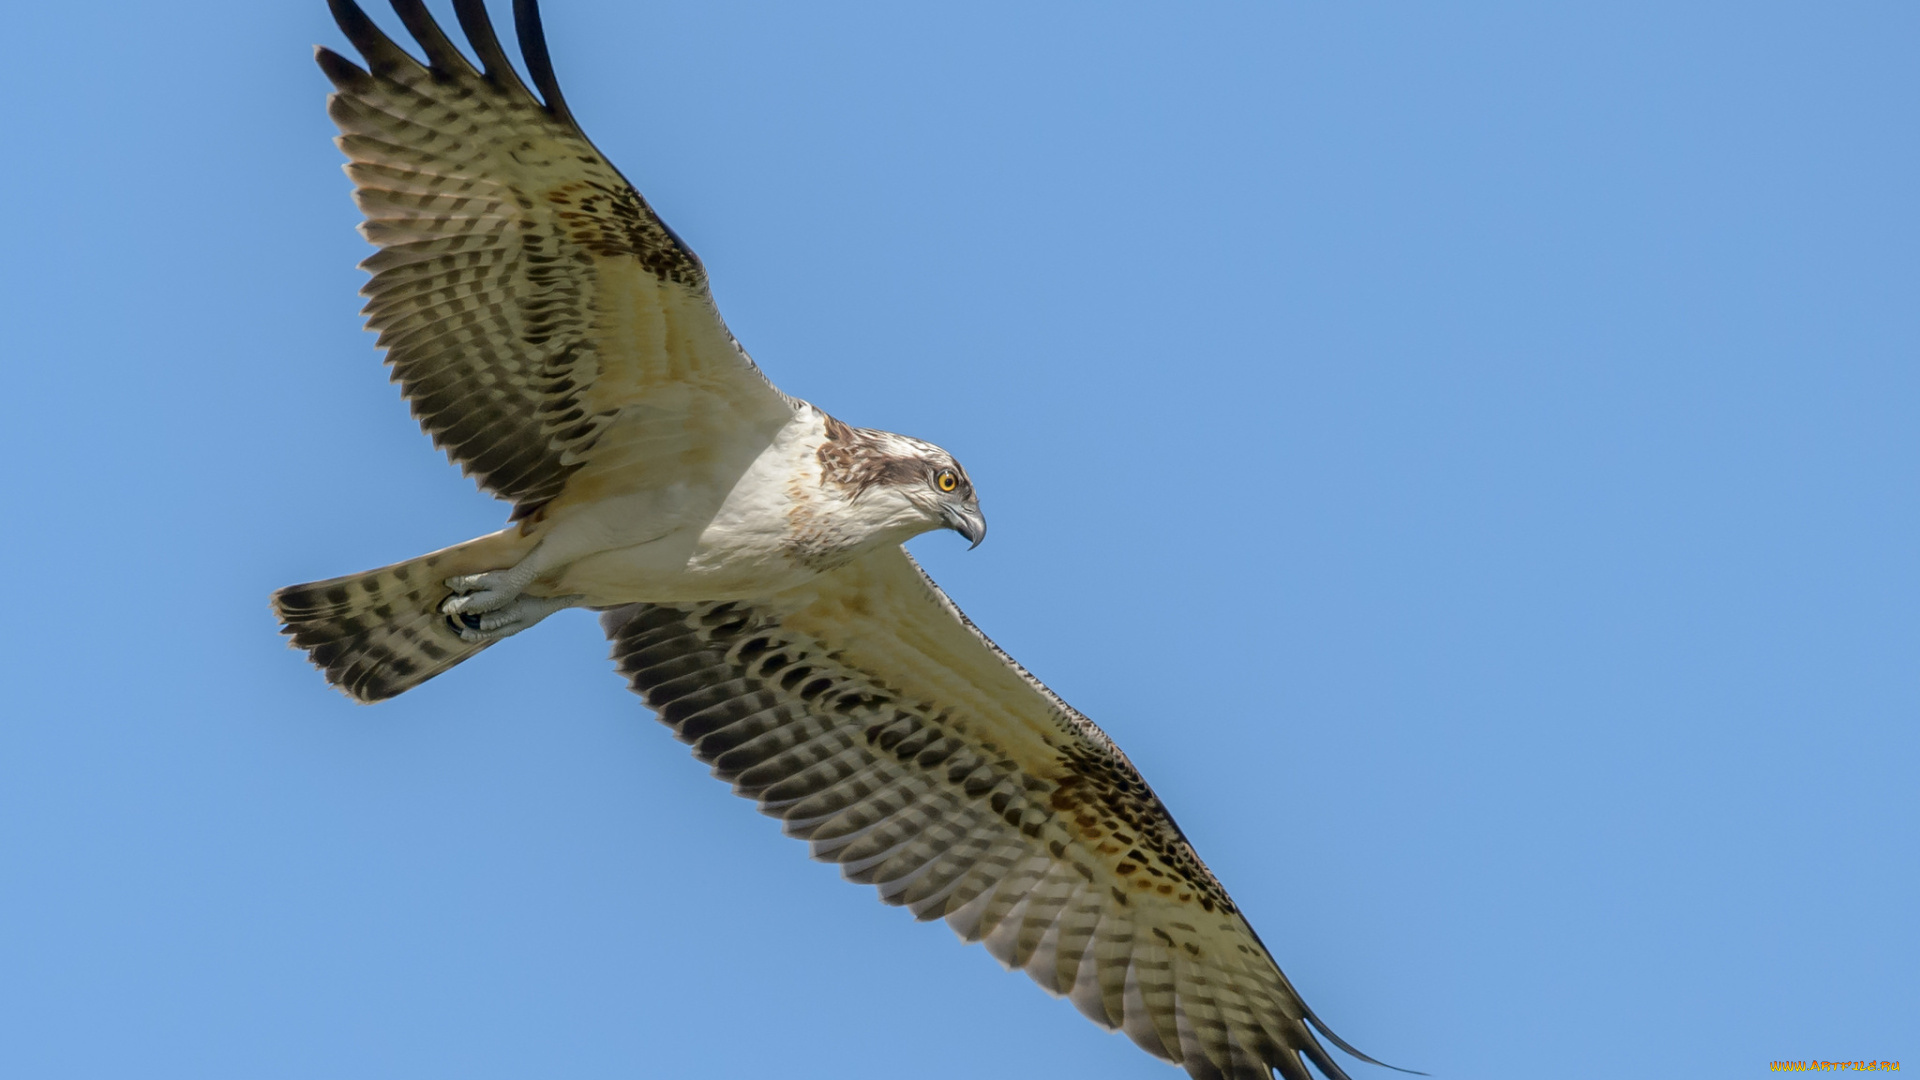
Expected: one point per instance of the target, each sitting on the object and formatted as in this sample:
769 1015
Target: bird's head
940 491
901 486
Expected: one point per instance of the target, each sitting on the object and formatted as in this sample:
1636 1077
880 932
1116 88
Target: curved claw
506 620
490 591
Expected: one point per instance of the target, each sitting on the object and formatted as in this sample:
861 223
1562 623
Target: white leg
566 542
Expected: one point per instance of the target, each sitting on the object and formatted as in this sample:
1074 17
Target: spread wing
872 717
539 317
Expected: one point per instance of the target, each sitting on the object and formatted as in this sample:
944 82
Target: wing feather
528 298
533 46
441 51
865 711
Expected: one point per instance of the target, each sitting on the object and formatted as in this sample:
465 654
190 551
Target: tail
379 633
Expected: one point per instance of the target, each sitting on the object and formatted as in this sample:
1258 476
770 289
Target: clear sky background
1465 453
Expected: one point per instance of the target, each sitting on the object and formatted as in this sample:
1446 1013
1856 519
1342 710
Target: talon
503 619
467 583
490 591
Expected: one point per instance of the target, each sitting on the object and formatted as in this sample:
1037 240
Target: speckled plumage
559 342
869 715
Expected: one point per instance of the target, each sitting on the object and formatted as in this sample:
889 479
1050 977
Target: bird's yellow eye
945 480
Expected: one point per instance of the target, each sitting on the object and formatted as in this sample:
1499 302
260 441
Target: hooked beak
967 521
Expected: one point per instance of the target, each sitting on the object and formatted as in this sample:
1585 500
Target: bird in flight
559 342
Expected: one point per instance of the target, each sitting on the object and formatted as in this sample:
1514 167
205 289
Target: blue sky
1466 454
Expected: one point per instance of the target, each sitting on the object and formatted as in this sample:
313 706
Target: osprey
558 340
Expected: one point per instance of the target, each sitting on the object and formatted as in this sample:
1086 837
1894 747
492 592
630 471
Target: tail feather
379 633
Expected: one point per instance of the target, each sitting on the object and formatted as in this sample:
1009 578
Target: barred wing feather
531 303
867 713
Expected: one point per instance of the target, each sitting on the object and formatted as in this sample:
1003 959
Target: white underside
683 543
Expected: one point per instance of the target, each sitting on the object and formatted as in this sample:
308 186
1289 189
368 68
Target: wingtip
475 23
443 57
1327 1033
533 49
360 29
339 70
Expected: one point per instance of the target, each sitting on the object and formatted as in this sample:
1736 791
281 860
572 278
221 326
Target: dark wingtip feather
1327 1033
382 55
1317 1054
1290 1067
339 70
533 49
486 45
441 52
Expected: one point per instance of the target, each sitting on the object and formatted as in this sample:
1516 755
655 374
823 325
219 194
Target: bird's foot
506 620
476 594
